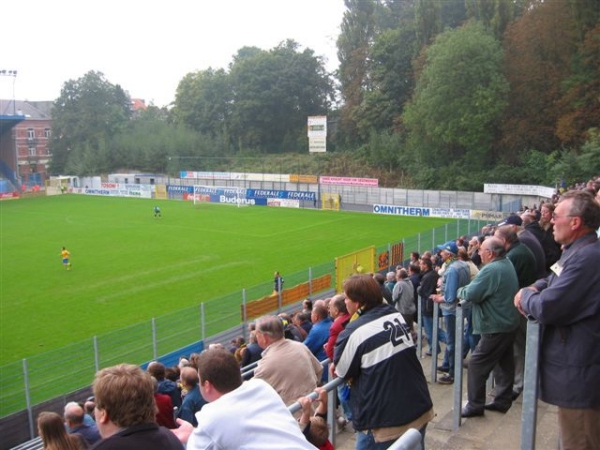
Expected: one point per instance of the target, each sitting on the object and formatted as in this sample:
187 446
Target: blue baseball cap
449 246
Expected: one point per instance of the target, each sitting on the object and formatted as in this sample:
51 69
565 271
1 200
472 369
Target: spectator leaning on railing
567 305
377 355
288 366
495 319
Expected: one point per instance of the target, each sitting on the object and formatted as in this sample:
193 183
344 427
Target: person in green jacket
496 319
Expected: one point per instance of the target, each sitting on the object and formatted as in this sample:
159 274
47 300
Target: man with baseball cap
456 274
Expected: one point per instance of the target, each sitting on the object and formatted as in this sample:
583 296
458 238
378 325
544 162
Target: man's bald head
74 413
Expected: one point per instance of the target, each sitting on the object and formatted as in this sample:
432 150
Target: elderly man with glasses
567 305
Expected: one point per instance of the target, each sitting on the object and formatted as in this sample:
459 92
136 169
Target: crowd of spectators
540 262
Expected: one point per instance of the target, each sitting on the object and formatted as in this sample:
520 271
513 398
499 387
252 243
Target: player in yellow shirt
65 254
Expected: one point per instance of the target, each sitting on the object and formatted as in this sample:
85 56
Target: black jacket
147 436
378 355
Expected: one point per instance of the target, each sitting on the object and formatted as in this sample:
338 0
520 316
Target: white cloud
148 46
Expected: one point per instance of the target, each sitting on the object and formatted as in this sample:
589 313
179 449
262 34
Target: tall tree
459 98
89 111
539 47
203 102
354 43
273 93
580 104
495 14
392 81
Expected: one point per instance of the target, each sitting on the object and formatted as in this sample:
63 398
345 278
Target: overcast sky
148 46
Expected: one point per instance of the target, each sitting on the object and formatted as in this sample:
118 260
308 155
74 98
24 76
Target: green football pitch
128 266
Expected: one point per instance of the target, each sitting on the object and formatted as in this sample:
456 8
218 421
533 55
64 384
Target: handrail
410 440
530 386
295 407
458 368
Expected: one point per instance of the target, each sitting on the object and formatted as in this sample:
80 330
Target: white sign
317 126
518 189
317 144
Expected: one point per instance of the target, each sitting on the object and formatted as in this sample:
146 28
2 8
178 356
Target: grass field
129 266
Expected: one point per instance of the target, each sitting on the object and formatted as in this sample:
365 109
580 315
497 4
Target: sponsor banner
488 216
518 189
446 213
451 213
349 181
198 198
7 195
401 210
214 198
296 178
174 189
235 176
274 193
210 190
207 175
118 193
283 203
97 191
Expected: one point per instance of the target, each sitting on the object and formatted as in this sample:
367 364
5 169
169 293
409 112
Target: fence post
28 399
445 232
310 283
244 315
96 354
154 348
420 328
331 408
458 372
279 300
389 251
202 322
530 386
435 344
419 243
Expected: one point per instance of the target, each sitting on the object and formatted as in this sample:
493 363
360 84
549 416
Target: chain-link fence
70 369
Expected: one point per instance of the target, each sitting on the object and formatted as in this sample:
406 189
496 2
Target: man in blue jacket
319 334
456 274
567 305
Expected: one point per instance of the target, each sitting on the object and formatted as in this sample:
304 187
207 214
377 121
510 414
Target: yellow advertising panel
362 261
330 201
297 178
160 191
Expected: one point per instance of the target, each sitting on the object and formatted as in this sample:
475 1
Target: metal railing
530 381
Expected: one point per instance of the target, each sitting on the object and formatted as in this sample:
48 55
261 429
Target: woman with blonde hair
54 435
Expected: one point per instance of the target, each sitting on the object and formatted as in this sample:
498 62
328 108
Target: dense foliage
428 94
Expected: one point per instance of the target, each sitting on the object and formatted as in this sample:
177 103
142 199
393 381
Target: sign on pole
317 134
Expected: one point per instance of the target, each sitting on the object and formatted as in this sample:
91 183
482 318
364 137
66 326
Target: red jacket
336 328
165 414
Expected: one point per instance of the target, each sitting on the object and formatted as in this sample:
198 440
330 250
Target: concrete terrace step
493 431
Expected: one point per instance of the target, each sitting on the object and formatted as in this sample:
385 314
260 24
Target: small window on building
30 133
32 151
47 132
